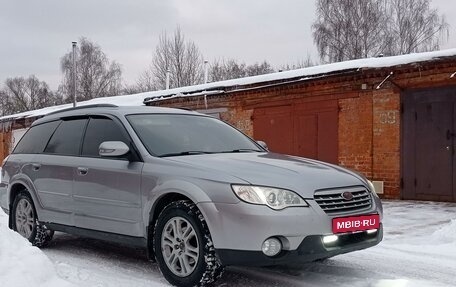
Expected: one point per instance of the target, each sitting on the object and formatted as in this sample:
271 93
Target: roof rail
84 107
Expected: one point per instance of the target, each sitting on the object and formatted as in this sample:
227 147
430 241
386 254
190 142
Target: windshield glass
174 135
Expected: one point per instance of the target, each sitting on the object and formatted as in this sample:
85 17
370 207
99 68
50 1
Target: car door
107 190
54 168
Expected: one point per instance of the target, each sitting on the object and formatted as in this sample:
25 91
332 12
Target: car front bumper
239 230
311 248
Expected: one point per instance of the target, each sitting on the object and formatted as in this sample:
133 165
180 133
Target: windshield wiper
190 152
241 150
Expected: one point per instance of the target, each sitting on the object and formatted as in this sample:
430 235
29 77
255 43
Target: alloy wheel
180 246
25 218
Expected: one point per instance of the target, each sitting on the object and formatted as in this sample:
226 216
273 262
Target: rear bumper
311 248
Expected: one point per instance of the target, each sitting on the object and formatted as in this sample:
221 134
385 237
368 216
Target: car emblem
347 195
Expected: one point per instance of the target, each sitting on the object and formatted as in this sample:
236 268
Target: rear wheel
183 246
25 221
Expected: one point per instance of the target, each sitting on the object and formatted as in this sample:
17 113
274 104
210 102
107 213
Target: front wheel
25 221
183 246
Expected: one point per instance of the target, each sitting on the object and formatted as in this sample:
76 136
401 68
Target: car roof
118 111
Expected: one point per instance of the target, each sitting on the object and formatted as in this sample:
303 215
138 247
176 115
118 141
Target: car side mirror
263 145
113 149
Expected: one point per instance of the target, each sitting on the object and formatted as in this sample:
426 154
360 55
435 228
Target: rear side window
36 138
100 130
67 138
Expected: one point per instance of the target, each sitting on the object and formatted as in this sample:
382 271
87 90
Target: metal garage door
428 139
307 130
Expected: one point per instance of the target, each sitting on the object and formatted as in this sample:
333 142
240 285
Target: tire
25 221
186 257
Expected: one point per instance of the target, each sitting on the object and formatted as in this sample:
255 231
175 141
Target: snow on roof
218 87
304 73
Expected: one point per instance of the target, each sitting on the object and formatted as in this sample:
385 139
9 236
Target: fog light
271 246
371 231
330 239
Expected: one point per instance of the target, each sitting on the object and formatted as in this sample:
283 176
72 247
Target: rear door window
101 130
67 138
35 139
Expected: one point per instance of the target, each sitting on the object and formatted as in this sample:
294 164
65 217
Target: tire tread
213 267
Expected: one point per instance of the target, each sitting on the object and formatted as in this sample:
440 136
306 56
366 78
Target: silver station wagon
195 192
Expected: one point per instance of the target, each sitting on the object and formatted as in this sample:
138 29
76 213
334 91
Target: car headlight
275 198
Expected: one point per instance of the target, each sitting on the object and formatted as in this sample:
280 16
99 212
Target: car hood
276 170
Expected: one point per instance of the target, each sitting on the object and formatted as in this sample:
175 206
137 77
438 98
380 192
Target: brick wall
239 118
386 143
5 142
369 137
355 133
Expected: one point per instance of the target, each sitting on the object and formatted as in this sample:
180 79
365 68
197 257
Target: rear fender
27 183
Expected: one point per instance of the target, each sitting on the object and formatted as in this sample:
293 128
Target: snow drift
22 264
446 234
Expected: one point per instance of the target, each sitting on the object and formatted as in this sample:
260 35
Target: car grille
331 201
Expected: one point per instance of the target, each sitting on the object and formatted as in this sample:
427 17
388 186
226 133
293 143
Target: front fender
185 188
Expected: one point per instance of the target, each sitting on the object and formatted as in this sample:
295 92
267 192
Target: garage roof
220 87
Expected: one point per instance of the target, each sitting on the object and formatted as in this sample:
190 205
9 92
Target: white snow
418 250
305 73
310 72
21 264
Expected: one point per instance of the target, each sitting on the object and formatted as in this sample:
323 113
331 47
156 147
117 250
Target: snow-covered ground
419 249
21 264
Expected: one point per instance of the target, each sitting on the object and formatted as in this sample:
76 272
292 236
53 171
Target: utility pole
74 74
206 71
168 74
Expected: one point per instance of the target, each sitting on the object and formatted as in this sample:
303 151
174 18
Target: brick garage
368 112
7 131
385 118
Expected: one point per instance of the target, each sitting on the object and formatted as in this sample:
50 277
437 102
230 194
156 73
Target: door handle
83 170
36 166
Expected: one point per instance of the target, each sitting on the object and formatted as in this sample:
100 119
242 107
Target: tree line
343 30
353 29
98 76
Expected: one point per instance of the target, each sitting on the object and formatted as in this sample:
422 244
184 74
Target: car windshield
177 135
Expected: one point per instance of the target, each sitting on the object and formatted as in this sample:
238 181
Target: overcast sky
36 34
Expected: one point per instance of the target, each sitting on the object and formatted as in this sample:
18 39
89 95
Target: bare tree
146 82
307 62
349 29
4 104
352 29
23 94
415 27
226 69
259 69
184 61
180 57
231 69
96 75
